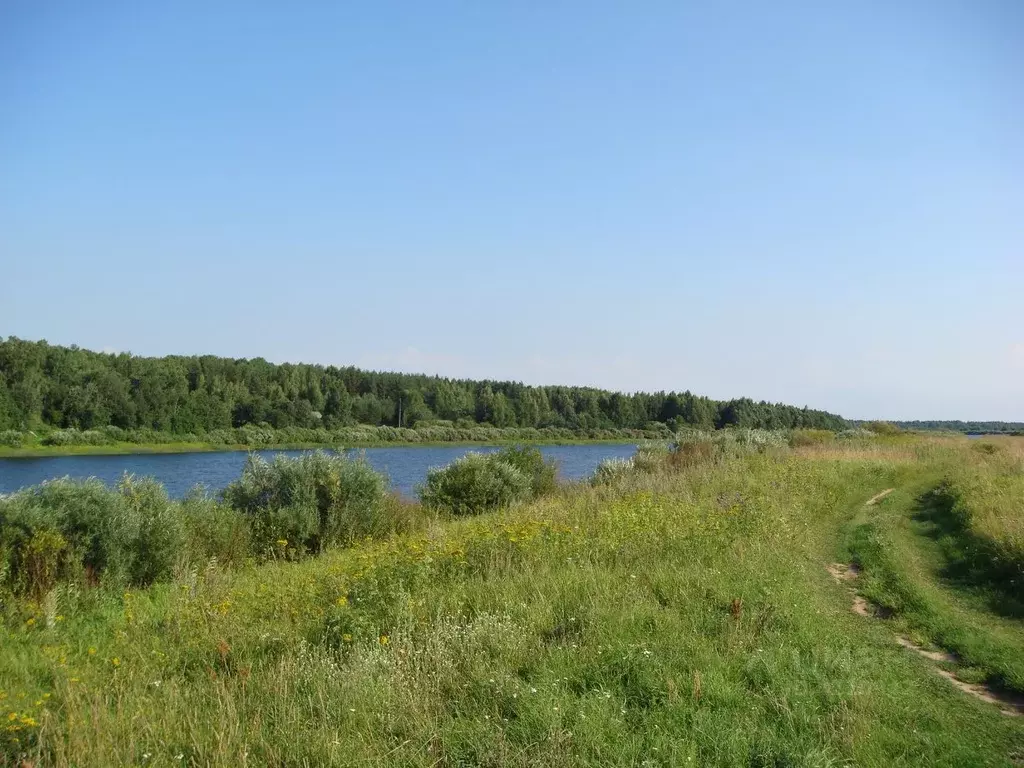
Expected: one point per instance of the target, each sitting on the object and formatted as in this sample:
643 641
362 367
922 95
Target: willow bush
82 530
306 503
475 483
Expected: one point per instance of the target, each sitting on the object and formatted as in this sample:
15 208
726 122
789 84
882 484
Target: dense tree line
969 427
47 386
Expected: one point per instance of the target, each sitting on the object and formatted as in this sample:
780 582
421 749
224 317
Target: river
405 466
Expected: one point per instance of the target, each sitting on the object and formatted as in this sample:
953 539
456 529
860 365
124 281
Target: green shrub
82 512
311 501
60 437
531 462
155 527
130 535
474 483
114 434
11 438
214 530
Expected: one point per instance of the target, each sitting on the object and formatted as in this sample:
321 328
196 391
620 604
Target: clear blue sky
818 203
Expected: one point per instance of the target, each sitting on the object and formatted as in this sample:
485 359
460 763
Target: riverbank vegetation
676 610
117 440
48 390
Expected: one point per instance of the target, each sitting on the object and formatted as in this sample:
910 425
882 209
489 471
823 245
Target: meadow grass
676 614
984 498
942 555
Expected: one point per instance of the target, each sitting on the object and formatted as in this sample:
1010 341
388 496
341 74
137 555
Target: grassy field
678 614
944 555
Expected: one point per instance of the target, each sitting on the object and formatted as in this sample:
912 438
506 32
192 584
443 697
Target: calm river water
406 466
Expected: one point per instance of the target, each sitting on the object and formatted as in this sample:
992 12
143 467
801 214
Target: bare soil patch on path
1008 704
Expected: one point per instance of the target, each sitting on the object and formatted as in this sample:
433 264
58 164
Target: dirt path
847 574
878 497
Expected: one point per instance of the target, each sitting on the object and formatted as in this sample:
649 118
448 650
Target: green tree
502 413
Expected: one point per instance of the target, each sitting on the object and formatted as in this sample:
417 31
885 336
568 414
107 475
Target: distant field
679 610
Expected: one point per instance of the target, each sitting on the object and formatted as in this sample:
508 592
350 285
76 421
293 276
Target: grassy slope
678 619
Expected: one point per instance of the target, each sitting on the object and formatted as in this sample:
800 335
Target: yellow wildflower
347 637
384 640
92 651
115 661
30 622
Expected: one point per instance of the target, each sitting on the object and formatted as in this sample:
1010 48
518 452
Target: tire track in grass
1008 704
878 497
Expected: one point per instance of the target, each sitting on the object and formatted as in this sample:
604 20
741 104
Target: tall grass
690 448
986 500
215 531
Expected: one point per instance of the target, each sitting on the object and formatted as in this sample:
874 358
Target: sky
814 203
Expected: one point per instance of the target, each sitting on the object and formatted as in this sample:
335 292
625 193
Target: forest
45 387
967 427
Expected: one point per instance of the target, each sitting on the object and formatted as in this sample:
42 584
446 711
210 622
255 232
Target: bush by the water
475 483
63 530
531 462
11 438
306 503
134 534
